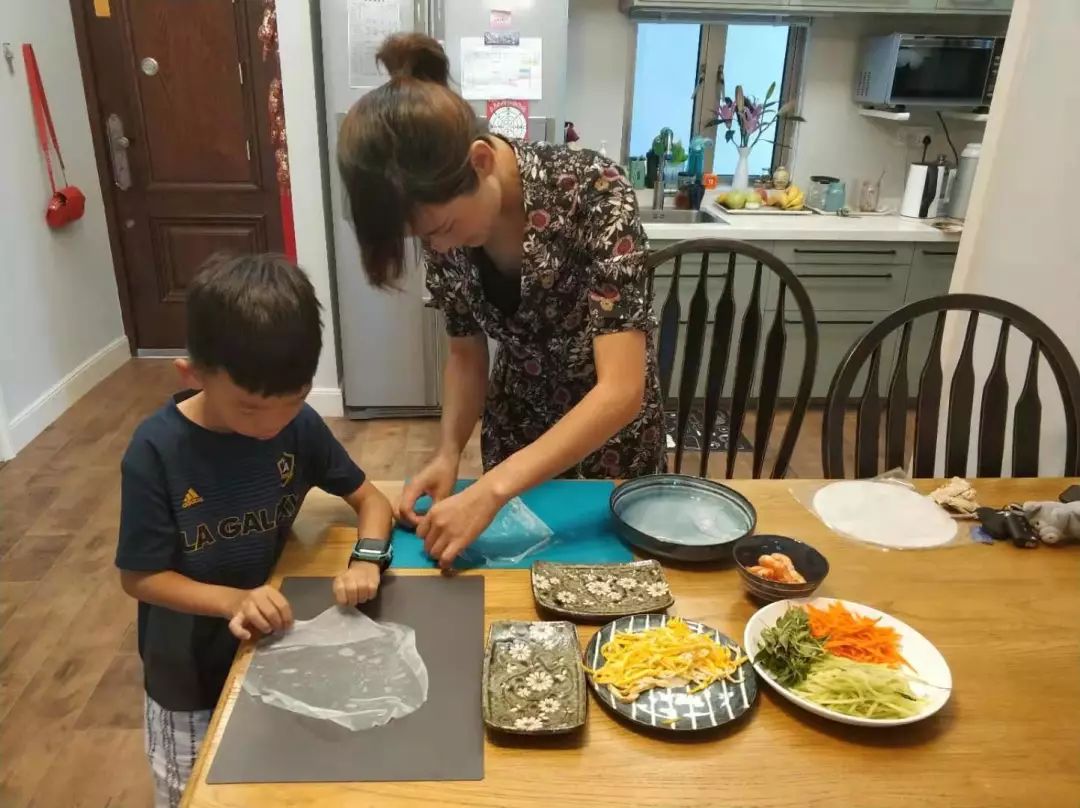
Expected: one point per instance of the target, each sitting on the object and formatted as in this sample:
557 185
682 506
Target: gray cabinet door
850 287
867 5
989 6
931 271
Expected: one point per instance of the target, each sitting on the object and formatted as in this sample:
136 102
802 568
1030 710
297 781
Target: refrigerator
392 343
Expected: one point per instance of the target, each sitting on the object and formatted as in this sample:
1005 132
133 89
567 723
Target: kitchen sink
675 216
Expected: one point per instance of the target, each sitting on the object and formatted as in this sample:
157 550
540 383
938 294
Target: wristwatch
377 551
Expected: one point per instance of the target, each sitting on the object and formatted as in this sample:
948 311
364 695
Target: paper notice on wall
501 71
370 22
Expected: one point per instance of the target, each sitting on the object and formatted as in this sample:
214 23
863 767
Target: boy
210 486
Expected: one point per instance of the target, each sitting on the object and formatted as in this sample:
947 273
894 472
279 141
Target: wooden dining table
1006 619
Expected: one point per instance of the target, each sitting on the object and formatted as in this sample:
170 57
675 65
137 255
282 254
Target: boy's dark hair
257 318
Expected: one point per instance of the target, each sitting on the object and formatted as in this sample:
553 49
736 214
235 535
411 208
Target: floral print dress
582 275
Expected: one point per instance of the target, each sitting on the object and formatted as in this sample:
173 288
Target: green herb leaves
788 649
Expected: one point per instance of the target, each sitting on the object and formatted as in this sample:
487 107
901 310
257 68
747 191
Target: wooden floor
70 678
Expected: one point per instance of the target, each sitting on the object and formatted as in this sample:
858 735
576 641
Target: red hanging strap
42 118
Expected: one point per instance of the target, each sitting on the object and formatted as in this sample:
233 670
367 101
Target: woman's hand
436 480
454 523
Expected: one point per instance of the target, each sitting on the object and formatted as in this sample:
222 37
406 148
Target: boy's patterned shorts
172 744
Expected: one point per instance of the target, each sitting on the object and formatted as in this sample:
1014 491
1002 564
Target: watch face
372 547
508 122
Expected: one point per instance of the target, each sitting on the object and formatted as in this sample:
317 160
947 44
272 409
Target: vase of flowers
747 120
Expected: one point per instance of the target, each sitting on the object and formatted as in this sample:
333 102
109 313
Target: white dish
931 679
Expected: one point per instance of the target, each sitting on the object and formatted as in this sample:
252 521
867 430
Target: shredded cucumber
860 689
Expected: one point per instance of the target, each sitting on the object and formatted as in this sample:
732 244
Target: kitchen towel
576 511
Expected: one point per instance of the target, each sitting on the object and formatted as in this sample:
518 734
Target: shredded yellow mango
668 656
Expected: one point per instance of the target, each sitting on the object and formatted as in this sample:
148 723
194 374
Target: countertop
1002 617
763 227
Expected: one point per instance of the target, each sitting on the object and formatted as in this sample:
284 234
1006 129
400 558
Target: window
665 70
682 72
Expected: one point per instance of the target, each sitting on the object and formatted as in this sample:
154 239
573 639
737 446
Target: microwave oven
917 70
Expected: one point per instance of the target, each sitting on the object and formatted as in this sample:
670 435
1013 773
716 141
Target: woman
540 248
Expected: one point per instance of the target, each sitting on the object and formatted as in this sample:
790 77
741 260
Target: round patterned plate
674 708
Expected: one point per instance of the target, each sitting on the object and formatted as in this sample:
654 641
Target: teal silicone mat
576 511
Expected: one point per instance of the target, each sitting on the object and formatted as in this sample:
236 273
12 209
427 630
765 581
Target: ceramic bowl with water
681 518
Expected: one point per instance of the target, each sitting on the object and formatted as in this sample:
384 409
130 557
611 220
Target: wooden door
182 95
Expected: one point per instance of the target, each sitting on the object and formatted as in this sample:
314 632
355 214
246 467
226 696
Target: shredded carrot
857 638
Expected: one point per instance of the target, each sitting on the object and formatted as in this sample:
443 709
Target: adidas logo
191 498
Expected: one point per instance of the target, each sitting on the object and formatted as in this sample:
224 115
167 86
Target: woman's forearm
584 429
464 391
181 594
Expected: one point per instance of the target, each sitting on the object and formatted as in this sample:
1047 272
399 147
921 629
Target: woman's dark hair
257 318
404 144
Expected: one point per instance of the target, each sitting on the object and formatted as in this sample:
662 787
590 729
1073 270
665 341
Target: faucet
666 137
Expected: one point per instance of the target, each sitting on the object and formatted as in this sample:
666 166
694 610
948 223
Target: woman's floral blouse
582 275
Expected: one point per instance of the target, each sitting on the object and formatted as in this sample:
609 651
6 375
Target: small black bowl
811 564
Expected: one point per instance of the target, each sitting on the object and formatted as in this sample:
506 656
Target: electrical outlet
912 136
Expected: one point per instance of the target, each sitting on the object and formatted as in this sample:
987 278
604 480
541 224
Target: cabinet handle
832 322
801 251
840 275
939 252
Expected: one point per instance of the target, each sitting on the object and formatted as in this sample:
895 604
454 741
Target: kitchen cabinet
843 252
867 5
931 271
852 285
990 6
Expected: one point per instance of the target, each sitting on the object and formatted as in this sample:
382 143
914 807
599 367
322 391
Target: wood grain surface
1005 619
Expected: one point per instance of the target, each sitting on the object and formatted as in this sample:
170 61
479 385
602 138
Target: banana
792 198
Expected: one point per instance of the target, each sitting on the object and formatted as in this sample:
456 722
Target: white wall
296 46
599 70
60 327
1019 239
836 140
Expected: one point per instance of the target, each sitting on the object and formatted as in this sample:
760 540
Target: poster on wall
501 71
508 118
370 22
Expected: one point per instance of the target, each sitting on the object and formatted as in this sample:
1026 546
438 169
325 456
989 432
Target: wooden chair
746 349
1027 415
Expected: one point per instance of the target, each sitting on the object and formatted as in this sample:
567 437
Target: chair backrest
746 349
993 413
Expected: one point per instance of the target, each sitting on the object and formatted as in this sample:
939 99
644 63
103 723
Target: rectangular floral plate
533 680
600 591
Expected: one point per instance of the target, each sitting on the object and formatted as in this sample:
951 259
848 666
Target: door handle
118 152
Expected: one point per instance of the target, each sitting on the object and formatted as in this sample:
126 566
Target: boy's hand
264 609
358 584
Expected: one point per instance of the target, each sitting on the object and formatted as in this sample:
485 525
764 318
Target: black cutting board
443 740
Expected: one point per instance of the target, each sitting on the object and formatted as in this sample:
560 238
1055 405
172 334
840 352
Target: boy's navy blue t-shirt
215 507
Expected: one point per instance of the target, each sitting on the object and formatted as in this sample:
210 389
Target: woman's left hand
454 523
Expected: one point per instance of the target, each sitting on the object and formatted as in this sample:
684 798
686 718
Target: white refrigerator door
389 340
